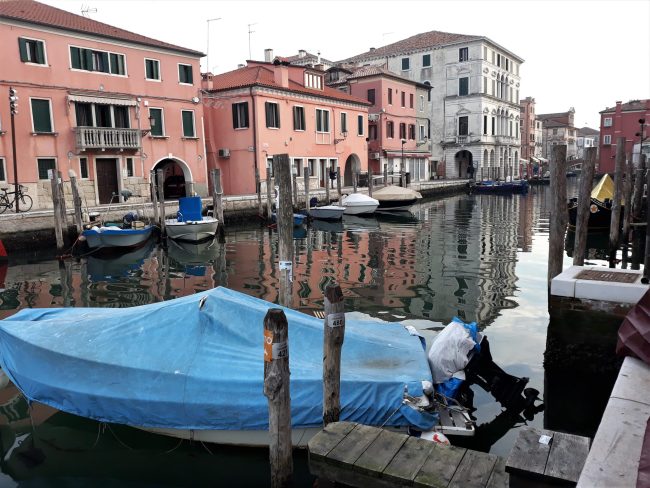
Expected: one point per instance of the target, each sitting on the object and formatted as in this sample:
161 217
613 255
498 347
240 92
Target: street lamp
401 166
207 61
13 108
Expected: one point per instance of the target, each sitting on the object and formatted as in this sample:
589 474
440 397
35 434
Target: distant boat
395 198
189 225
131 233
504 187
359 204
600 206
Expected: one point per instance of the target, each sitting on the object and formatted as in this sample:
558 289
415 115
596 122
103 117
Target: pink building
622 121
398 121
266 108
109 104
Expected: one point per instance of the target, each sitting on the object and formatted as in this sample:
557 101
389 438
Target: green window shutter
41 116
115 67
190 77
235 120
104 66
87 59
188 123
3 177
156 70
40 52
157 129
43 165
181 73
75 57
22 47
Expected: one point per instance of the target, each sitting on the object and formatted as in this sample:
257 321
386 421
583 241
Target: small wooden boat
501 187
189 225
131 233
395 198
359 204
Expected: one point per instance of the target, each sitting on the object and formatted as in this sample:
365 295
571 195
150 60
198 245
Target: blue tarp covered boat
489 186
193 367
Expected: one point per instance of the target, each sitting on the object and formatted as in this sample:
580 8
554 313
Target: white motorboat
358 203
327 212
396 198
115 237
189 225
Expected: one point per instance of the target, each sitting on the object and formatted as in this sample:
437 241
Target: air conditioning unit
224 153
375 155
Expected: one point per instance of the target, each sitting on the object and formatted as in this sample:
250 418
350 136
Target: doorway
107 184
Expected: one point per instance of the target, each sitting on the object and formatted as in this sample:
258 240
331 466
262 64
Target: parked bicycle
8 198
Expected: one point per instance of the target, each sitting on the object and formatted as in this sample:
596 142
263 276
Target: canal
482 258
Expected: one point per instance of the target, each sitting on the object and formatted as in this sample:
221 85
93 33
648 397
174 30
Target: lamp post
207 61
401 167
13 108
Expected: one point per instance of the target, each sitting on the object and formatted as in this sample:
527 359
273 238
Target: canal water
482 258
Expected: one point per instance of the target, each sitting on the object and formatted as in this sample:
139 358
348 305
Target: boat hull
193 231
116 238
360 209
600 215
393 205
503 188
328 212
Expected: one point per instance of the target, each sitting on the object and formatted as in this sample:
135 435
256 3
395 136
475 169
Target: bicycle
6 202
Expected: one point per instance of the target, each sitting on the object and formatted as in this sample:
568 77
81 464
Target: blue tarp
173 365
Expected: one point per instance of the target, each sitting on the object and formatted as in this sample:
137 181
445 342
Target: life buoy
593 208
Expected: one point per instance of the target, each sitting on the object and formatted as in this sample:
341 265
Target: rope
206 448
118 439
389 417
180 441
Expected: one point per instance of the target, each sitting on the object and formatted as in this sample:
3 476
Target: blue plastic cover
175 365
189 209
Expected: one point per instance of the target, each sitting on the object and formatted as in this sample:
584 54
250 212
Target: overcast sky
585 54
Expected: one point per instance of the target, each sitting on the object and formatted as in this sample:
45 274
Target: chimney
239 66
268 55
320 67
372 49
281 76
302 53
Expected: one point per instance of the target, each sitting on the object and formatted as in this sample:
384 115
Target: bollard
584 202
161 200
56 203
559 212
615 222
269 198
277 391
306 176
334 333
76 200
284 218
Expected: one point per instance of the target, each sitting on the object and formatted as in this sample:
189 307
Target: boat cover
358 199
604 189
391 193
177 364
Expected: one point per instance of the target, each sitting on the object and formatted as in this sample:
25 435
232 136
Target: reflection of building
108 104
474 98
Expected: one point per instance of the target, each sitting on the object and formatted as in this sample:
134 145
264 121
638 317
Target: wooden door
106 179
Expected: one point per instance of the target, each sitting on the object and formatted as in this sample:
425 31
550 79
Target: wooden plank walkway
363 456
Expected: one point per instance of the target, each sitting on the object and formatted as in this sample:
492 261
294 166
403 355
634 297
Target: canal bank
35 230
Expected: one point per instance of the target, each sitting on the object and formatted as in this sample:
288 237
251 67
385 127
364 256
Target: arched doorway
464 163
352 165
176 178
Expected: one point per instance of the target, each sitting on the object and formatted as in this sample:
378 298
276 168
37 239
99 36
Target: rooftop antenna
86 9
249 38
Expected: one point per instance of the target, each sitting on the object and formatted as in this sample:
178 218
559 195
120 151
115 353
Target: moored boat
327 212
396 198
359 204
189 225
118 236
600 206
505 187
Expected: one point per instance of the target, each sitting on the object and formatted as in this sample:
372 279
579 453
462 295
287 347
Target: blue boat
298 219
505 187
193 367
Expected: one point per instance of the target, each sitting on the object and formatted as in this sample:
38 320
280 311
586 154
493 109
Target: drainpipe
254 123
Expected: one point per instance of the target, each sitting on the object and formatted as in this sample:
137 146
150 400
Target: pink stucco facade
622 120
305 122
98 121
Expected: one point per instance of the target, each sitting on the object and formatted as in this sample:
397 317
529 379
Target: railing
107 138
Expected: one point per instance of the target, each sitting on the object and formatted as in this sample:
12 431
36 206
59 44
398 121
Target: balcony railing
107 138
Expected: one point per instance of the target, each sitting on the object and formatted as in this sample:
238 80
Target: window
463 54
406 64
152 69
3 174
485 125
607 122
129 167
607 139
554 132
423 132
41 116
240 115
84 113
121 117
158 126
31 51
360 130
463 126
421 103
100 115
485 84
45 164
412 131
410 100
493 126
372 132
101 61
507 64
322 120
499 60
402 130
344 122
426 60
463 86
371 95
390 96
403 99
185 74
272 111
83 168
428 83
390 130
313 81
188 123
298 118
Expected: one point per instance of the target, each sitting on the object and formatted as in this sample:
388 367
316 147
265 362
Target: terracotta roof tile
374 70
414 43
631 105
38 13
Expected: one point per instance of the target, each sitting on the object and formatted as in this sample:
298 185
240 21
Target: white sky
585 54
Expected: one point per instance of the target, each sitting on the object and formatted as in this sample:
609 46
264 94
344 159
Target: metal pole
13 150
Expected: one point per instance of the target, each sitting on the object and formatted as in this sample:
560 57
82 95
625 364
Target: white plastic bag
448 353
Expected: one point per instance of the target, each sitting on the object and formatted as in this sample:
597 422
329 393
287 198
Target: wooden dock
363 456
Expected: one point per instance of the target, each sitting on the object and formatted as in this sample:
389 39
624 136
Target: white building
474 99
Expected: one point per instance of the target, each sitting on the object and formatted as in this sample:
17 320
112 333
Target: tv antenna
249 38
86 9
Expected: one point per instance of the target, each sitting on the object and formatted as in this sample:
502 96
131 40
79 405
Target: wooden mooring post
334 333
559 213
277 391
306 176
294 186
217 200
327 186
637 211
269 194
153 189
284 217
76 200
56 207
258 190
161 200
615 222
370 183
627 210
338 183
646 261
584 201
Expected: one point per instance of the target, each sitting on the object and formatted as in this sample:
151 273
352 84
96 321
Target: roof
262 74
375 70
588 131
34 12
630 106
306 57
419 42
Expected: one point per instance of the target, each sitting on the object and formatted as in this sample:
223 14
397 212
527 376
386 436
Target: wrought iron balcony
107 138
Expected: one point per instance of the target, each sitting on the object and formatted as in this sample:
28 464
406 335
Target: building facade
586 138
398 119
474 102
559 130
264 109
104 103
623 120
